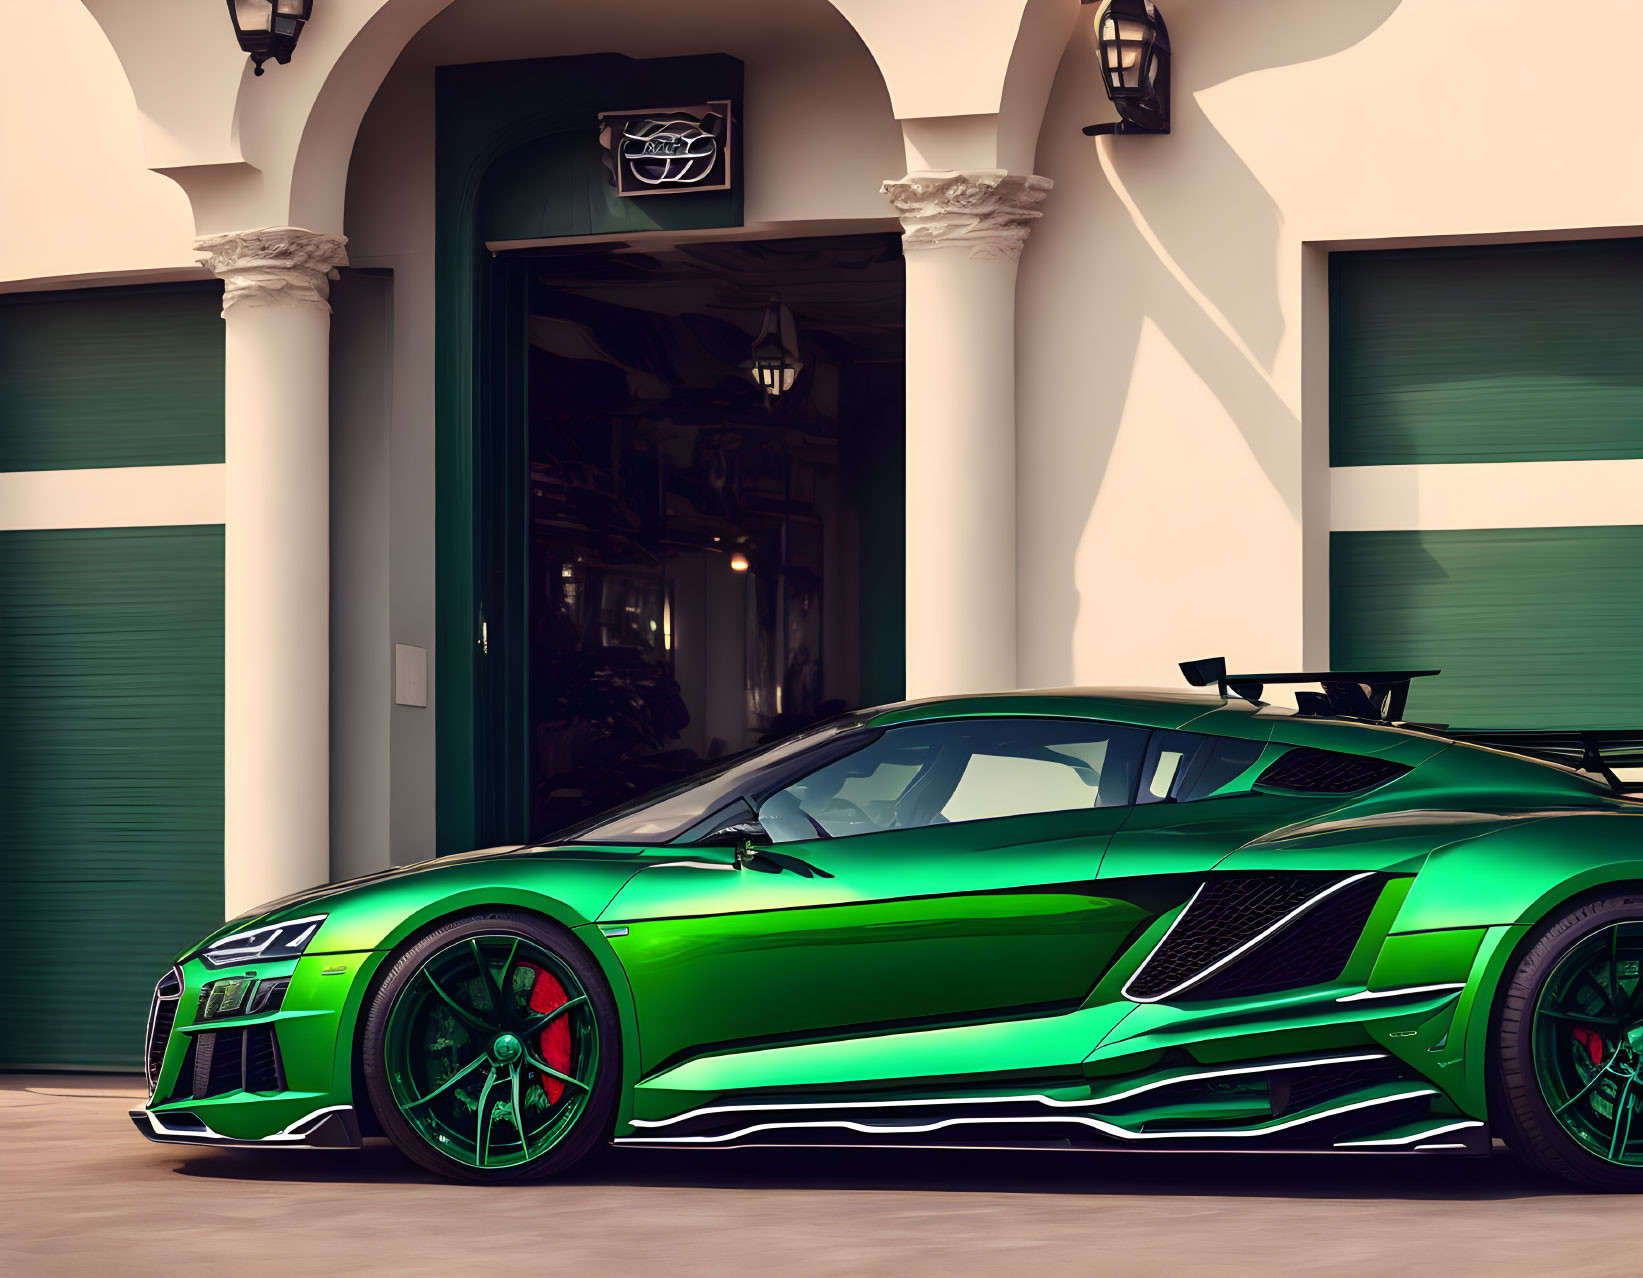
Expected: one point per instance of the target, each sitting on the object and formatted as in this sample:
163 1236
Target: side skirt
1361 1102
1476 1147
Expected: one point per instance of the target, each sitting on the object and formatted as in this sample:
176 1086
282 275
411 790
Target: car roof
1174 709
1144 707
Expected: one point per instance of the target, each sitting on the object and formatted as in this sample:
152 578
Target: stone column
963 234
277 582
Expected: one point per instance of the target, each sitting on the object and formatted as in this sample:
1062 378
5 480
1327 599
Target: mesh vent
222 1061
1305 1088
1227 913
1326 772
217 1067
1310 951
262 1061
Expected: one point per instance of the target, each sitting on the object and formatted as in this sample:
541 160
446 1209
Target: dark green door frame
516 158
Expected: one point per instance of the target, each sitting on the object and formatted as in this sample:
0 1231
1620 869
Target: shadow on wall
1161 253
1223 245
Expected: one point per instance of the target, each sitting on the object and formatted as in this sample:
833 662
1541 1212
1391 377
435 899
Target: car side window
1183 766
925 774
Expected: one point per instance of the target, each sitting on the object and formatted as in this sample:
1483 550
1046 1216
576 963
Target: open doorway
707 565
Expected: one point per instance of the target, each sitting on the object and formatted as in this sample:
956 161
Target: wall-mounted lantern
1132 43
775 364
269 28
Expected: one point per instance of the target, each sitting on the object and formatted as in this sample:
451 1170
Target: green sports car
1077 919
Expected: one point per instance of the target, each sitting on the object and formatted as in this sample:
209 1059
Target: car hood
567 873
285 906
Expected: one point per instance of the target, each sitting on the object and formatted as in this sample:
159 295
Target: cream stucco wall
76 198
1172 322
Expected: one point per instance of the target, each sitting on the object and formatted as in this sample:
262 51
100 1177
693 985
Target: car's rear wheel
490 1049
1570 1080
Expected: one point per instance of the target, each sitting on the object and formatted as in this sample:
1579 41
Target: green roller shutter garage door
1532 627
111 673
1524 352
1504 353
111 798
111 377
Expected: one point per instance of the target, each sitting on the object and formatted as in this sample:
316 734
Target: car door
943 873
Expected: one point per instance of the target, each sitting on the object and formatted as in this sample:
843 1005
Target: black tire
1529 1126
596 1119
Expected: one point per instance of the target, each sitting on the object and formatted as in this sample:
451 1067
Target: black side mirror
742 835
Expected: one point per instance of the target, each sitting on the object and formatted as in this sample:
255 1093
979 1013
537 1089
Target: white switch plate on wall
410 675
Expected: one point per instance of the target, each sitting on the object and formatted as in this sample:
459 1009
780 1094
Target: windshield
662 815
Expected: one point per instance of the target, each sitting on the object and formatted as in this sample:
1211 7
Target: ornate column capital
277 266
986 211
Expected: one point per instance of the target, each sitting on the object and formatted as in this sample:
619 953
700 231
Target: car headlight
273 941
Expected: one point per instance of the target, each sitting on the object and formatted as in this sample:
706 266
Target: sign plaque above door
668 151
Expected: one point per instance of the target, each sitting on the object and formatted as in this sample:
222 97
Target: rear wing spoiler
1597 751
1375 696
1379 696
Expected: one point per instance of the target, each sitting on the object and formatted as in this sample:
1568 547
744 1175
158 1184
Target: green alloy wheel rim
466 1042
1588 1043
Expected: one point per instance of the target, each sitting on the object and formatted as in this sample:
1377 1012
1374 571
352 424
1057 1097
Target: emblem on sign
669 151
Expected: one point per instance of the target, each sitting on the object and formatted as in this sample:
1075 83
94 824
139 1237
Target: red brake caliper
1591 1040
547 994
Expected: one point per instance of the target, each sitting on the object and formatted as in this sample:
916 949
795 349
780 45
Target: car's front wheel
490 1049
1570 1047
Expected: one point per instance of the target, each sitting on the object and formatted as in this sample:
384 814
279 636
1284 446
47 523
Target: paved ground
82 1193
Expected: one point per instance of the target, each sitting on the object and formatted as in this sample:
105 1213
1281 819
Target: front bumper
334 1127
259 1073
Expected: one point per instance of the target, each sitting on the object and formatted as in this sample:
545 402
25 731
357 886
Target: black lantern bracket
269 28
1133 51
1118 128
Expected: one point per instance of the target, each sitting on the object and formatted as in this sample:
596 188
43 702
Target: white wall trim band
1561 494
111 497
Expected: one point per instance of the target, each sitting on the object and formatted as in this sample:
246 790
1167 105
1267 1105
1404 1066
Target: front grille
1311 950
1227 913
1327 772
162 1015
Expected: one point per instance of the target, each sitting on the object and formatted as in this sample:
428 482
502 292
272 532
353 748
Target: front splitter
334 1127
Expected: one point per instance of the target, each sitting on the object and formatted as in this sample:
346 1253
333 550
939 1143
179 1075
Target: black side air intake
1227 914
1310 771
1311 950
